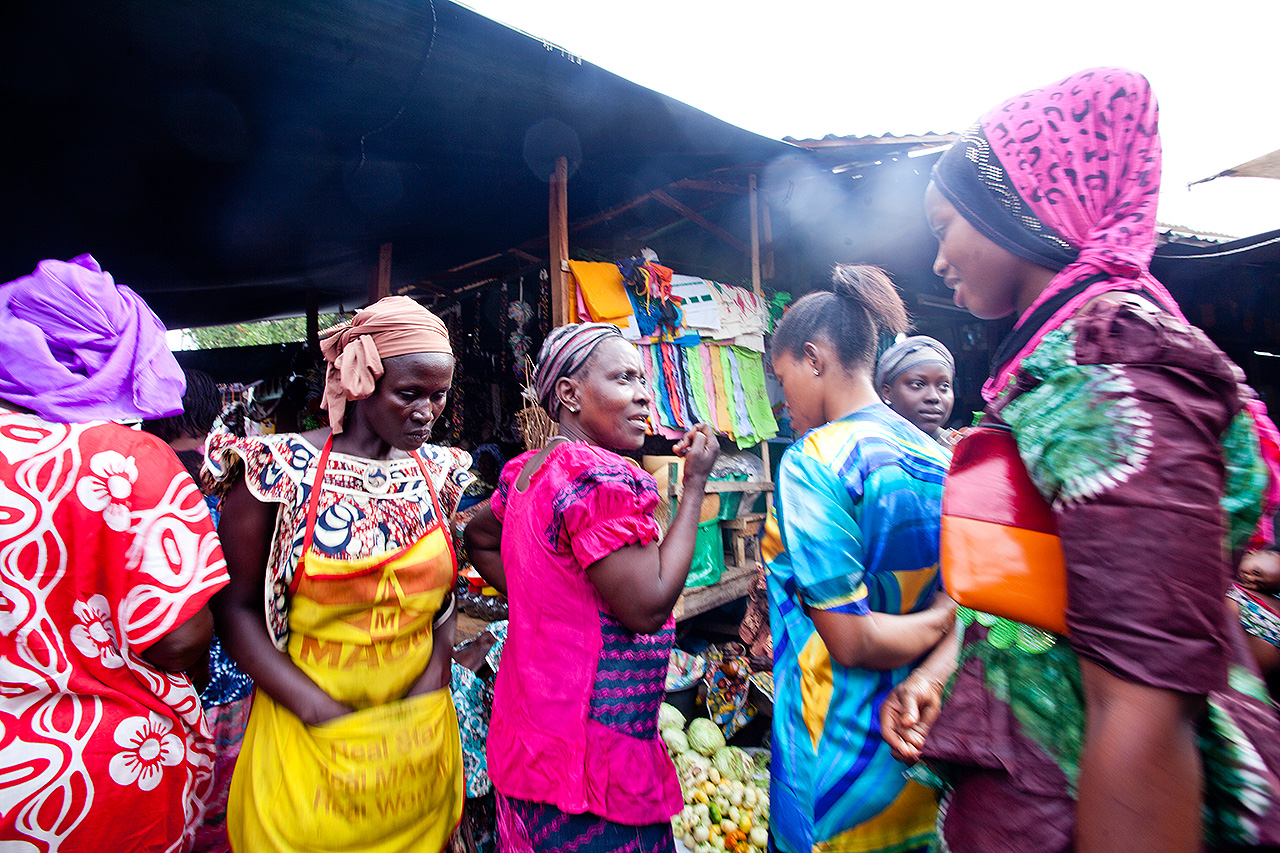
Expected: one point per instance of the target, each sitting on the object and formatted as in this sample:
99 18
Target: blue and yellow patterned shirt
855 531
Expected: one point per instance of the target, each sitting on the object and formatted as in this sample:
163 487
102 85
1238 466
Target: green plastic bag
708 555
729 501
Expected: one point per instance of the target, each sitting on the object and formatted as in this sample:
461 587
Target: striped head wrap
564 351
911 352
389 327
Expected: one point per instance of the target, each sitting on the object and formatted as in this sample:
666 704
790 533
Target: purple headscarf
75 347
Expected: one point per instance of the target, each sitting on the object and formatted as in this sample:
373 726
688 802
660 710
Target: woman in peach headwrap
340 603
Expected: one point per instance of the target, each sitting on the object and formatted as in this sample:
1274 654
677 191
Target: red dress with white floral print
106 545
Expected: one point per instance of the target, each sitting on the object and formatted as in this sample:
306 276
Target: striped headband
564 351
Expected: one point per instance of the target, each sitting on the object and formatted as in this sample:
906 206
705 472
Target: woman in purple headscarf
1138 431
107 559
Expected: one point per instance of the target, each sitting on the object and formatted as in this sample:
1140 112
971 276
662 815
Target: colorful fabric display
738 405
742 316
709 386
723 386
722 394
648 288
697 383
700 343
751 369
697 303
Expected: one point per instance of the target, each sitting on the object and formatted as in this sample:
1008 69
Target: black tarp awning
224 158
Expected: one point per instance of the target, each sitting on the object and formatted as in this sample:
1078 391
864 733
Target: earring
815 371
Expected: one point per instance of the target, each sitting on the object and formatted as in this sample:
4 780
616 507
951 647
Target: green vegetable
733 763
669 717
705 736
675 740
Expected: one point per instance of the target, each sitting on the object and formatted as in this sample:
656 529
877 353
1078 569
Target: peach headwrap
395 325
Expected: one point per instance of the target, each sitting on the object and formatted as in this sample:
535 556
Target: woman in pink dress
574 752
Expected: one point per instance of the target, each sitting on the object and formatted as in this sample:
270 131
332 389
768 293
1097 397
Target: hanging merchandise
544 303
699 305
519 313
648 287
602 293
701 345
778 306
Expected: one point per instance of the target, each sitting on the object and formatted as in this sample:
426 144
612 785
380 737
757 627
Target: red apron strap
440 519
313 504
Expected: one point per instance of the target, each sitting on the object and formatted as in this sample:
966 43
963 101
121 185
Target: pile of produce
726 794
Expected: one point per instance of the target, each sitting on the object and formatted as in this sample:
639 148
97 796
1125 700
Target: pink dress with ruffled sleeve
576 701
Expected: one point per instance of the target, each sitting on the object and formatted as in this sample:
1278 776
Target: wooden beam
558 216
380 281
711 186
698 219
606 215
525 256
754 197
475 263
755 236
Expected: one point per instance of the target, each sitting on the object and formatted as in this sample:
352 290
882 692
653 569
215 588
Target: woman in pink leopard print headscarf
1145 727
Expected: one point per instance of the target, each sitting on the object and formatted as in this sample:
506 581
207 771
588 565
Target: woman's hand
700 449
321 708
907 714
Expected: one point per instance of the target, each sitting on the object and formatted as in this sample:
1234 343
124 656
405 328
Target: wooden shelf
733 584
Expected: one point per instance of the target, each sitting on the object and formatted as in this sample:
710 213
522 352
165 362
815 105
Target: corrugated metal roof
887 139
1266 166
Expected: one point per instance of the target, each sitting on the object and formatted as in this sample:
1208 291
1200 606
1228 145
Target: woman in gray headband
914 378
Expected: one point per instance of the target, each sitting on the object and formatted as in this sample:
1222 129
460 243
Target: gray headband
908 353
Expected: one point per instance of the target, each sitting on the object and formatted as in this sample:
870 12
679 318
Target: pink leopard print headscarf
1084 155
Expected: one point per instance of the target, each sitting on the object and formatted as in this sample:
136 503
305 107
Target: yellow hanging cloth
603 291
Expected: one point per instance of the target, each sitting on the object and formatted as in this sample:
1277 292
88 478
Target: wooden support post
766 230
313 323
380 281
753 196
755 236
561 282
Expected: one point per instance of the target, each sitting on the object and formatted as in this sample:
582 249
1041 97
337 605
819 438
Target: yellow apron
388 776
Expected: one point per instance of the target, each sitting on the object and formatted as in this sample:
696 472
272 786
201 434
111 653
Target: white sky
806 68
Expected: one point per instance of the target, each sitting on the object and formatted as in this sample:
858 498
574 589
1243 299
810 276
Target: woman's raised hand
700 450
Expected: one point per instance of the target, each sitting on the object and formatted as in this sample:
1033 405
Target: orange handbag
1000 548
